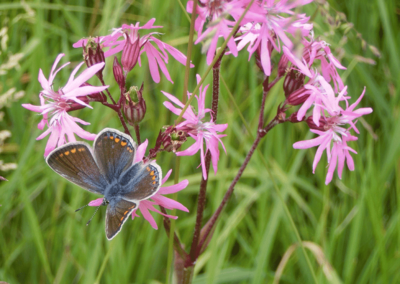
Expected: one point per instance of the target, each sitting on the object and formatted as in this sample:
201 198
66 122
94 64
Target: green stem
172 228
189 52
183 9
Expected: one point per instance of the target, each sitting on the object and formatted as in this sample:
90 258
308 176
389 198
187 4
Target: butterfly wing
141 181
117 213
74 161
114 152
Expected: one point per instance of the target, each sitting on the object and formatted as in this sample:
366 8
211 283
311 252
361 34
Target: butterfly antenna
81 208
97 209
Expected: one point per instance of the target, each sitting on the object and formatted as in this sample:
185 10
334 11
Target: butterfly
108 169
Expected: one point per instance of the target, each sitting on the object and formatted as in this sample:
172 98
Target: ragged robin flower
118 40
202 132
56 104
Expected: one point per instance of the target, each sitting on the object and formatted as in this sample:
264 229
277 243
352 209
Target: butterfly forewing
141 181
114 152
75 162
116 215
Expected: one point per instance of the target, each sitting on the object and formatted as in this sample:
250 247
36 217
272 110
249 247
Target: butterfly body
108 169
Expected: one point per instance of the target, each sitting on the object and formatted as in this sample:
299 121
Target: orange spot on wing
112 137
81 149
154 178
73 151
61 155
123 143
152 173
66 153
117 139
154 182
148 169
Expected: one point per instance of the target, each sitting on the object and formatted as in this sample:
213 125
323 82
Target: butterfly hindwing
141 181
75 162
114 152
117 213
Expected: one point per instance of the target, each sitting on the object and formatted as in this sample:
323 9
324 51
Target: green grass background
352 224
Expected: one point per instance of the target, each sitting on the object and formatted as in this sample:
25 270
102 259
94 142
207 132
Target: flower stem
137 132
172 225
176 243
177 165
229 192
194 251
189 52
273 181
121 118
216 58
108 92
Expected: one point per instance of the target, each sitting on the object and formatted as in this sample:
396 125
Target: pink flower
335 137
200 131
216 11
273 29
158 199
57 103
158 58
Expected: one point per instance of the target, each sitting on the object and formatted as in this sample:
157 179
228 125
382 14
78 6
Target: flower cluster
312 81
128 40
263 28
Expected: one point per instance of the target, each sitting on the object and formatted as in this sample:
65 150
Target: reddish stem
137 132
194 252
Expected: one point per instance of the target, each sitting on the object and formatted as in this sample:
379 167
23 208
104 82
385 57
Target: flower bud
282 65
293 118
312 125
93 54
130 53
118 74
293 81
298 97
134 106
174 140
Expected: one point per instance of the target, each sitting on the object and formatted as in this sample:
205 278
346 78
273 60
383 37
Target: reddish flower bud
118 74
282 65
293 81
134 106
174 140
298 97
130 53
93 54
293 118
312 125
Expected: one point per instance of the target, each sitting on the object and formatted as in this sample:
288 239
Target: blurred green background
351 227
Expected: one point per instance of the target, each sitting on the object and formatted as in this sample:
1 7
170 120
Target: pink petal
166 177
83 77
173 99
144 209
174 188
169 203
141 150
32 108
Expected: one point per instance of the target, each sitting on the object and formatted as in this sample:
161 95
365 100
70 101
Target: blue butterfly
108 169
